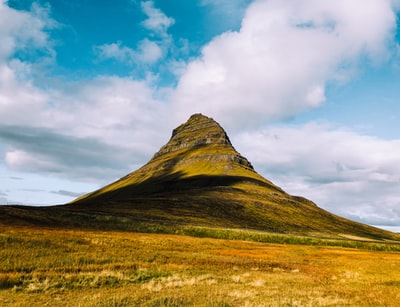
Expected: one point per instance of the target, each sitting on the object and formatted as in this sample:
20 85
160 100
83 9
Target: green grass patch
263 237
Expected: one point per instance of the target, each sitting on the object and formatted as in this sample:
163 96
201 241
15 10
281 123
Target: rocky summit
198 178
200 131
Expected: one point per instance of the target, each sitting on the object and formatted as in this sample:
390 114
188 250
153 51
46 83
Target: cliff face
205 140
199 130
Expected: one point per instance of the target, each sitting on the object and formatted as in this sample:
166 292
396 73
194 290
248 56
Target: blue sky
308 91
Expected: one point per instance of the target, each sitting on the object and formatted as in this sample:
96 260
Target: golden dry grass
41 267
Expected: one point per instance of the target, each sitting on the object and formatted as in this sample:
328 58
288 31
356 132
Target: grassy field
42 267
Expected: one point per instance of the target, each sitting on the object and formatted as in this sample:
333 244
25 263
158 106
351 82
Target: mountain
198 178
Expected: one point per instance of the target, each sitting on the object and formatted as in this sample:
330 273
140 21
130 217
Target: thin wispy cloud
67 193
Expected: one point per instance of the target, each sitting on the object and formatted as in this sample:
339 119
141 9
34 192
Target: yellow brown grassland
55 267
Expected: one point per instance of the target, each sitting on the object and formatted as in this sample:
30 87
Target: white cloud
279 62
115 111
108 107
22 32
115 51
156 20
147 52
101 128
83 119
19 97
19 30
21 160
350 174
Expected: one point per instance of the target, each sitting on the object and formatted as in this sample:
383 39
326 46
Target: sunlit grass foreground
41 267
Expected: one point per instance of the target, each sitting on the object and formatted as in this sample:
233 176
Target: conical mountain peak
199 178
199 148
198 131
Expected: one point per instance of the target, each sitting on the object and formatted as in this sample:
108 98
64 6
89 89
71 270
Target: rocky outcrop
202 131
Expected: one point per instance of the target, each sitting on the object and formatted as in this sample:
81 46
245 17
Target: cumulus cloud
94 129
23 33
106 122
115 51
117 110
350 174
16 97
97 128
280 61
156 20
23 30
147 52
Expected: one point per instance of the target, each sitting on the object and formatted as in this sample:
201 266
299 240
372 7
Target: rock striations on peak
199 130
202 132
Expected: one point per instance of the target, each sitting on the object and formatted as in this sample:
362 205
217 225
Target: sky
307 90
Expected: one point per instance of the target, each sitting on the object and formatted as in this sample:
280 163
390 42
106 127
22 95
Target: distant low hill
197 178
